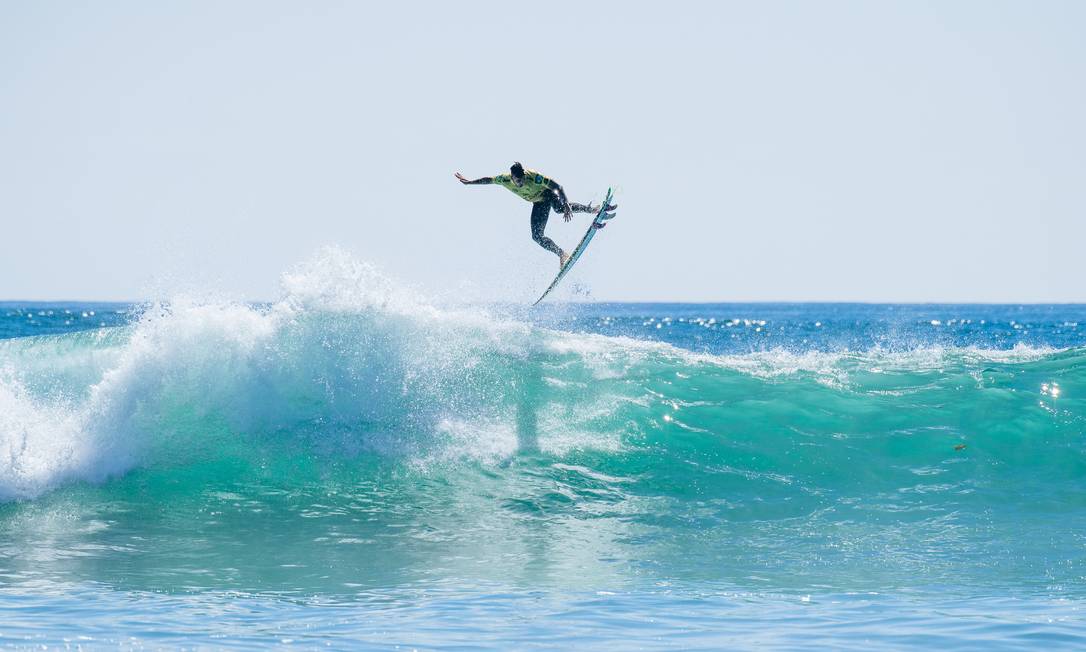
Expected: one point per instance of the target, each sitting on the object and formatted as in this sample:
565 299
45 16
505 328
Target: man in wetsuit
545 194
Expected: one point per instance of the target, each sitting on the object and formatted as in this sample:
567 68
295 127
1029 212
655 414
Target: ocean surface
353 465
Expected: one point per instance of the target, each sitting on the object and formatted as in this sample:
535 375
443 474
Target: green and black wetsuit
545 195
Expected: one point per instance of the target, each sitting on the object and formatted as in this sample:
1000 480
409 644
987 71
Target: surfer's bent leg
539 222
574 207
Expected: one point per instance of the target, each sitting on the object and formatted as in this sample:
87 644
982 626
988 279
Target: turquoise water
355 464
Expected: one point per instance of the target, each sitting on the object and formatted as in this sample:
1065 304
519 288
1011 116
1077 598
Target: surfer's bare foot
599 225
563 258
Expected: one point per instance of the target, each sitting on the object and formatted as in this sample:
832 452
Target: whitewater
357 463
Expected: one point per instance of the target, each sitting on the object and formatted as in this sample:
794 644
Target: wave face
352 434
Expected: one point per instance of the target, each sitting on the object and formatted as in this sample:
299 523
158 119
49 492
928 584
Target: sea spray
352 435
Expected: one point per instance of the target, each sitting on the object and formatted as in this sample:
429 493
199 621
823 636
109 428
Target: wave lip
344 353
348 365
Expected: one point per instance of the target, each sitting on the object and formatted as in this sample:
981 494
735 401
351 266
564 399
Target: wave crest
349 365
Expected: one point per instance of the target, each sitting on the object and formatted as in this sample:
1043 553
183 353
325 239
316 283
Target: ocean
355 465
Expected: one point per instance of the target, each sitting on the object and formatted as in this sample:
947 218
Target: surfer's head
517 172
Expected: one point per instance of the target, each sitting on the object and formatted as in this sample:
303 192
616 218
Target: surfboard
601 217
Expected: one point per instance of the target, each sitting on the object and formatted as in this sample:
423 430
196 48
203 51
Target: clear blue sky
871 151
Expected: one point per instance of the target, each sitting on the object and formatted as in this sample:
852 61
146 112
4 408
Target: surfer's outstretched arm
474 182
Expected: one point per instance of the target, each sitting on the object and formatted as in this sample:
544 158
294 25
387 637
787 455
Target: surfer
545 194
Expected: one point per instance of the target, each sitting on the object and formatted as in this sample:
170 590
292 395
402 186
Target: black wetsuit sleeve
557 187
481 181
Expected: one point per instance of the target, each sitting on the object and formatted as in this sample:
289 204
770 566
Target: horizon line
635 302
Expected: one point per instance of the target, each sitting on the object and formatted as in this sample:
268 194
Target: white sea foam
346 350
343 347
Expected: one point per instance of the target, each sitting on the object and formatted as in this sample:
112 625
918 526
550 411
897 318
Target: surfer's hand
567 212
462 179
